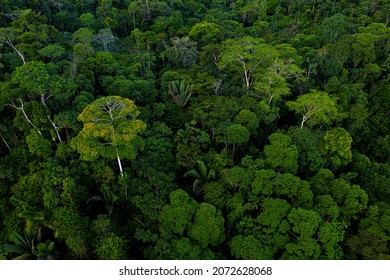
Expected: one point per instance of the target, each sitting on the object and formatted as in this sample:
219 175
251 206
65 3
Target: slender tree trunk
5 142
55 128
21 56
21 108
18 52
304 119
121 171
247 79
48 117
119 164
147 7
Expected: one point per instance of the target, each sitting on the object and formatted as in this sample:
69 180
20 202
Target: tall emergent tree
248 56
315 107
110 130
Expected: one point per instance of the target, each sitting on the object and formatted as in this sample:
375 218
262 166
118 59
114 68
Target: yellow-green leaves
338 146
315 107
110 129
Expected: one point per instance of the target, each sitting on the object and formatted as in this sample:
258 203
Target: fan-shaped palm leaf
181 92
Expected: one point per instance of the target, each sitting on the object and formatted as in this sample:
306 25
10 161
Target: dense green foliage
191 129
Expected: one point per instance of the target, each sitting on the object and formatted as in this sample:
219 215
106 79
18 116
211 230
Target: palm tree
181 92
45 251
23 245
28 246
108 197
185 135
201 175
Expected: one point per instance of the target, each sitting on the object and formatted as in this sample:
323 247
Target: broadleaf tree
315 107
110 130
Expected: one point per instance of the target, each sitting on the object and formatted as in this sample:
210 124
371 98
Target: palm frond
192 173
202 169
180 92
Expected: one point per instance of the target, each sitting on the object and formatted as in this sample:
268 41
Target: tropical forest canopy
193 129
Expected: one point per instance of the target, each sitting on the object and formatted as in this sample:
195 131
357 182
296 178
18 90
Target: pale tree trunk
119 164
7 40
304 119
55 128
21 108
5 142
9 43
147 7
247 78
50 120
121 170
20 54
